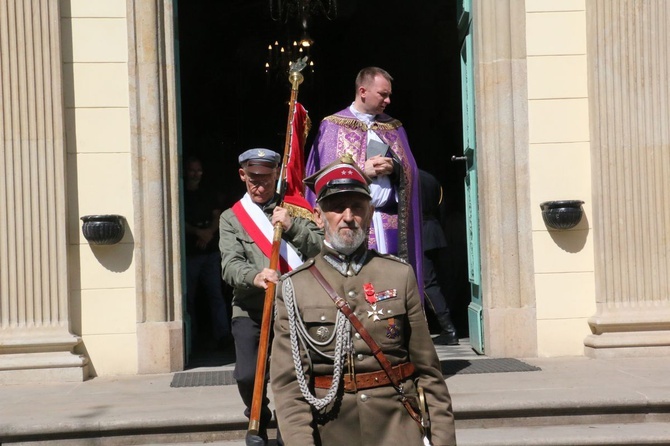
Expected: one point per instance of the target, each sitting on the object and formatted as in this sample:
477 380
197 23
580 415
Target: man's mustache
353 225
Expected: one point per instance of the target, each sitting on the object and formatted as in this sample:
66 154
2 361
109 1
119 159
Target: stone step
568 417
556 416
637 434
570 401
583 427
634 434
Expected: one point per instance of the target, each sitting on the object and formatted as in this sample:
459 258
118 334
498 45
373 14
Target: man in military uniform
246 232
328 386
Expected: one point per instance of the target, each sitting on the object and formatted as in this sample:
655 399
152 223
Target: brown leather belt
367 380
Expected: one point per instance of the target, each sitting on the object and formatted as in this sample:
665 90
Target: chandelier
282 10
299 44
279 56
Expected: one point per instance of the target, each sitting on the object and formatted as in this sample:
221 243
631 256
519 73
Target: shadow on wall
116 258
572 240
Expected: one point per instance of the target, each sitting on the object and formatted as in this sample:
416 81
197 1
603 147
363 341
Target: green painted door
470 156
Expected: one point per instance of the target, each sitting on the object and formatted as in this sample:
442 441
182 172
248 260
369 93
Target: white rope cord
343 331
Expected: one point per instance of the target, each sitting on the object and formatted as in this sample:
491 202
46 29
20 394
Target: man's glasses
258 182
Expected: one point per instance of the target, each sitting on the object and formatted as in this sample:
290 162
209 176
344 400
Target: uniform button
352 293
359 357
389 311
357 335
364 397
323 318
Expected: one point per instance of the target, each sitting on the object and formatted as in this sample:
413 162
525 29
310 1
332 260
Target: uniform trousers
431 284
246 332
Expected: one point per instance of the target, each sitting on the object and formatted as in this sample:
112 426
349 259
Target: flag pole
252 437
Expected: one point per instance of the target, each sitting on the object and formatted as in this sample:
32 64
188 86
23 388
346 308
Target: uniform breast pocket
390 327
245 241
320 323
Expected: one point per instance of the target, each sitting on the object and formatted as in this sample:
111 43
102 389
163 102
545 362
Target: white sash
265 226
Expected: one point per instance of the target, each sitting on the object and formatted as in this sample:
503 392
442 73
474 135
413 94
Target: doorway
229 103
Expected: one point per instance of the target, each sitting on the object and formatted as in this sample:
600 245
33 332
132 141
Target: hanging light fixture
279 55
303 11
283 10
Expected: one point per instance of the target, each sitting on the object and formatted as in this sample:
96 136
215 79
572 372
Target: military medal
375 313
371 298
392 330
369 291
387 294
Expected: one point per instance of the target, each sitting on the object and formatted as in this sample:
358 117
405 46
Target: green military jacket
241 259
397 324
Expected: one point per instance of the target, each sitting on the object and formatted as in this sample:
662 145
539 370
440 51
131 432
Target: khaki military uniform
241 259
372 416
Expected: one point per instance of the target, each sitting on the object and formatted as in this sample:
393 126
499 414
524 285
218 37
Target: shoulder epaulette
392 257
307 264
298 211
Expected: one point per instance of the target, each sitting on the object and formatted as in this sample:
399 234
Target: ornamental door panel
470 157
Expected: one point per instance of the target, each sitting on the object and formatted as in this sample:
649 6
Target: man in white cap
246 232
352 346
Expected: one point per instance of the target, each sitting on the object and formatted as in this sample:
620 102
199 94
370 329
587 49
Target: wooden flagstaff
253 438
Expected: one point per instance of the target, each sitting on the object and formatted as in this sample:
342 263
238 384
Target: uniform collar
270 204
345 265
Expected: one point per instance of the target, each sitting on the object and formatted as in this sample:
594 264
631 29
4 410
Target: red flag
295 168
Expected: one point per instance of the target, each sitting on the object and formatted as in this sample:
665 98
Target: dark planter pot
103 229
564 214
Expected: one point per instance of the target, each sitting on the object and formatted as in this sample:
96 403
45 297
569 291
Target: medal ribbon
370 293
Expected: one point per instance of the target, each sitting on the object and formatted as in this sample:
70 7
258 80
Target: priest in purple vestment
378 143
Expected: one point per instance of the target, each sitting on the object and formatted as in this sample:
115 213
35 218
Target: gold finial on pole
295 76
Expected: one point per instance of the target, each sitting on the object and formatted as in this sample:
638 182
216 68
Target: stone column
155 158
35 339
629 68
501 102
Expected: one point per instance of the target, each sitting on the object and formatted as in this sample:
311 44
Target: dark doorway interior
229 104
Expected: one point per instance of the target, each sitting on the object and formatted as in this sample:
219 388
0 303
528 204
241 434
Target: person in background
329 383
202 210
246 232
434 244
